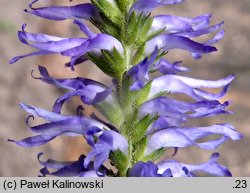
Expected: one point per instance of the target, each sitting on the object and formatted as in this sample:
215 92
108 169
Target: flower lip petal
68 169
59 46
47 115
171 24
49 131
84 28
197 83
189 86
211 167
74 124
70 83
80 11
165 67
147 6
200 21
178 110
212 41
221 129
33 141
202 31
37 53
38 37
51 163
216 38
75 61
43 41
170 41
175 167
95 44
184 137
183 25
59 125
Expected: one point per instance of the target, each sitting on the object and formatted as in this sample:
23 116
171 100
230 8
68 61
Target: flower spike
136 118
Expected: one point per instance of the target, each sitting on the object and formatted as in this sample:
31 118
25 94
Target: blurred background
16 84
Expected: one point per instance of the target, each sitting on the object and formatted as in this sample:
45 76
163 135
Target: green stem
122 96
127 54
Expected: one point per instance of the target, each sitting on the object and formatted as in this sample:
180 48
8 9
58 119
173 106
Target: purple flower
170 41
189 28
174 117
139 72
165 67
172 168
182 26
171 83
141 169
81 11
108 141
178 169
68 169
75 48
57 125
90 91
174 24
173 112
184 137
148 5
189 86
